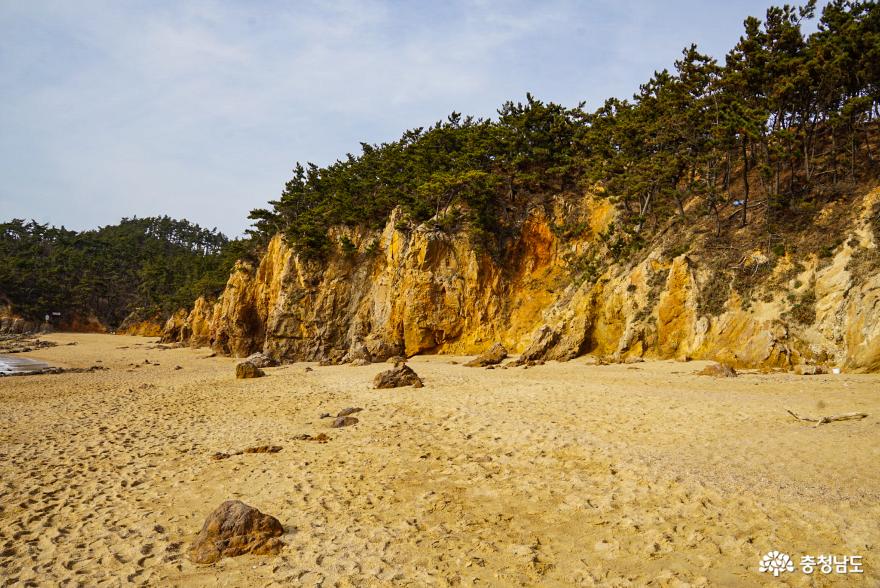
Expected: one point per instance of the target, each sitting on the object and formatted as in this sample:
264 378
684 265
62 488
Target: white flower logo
776 563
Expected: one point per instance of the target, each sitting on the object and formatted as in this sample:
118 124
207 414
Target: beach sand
561 474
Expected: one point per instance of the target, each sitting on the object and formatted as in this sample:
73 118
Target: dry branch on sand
849 416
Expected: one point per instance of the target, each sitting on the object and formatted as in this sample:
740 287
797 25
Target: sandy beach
556 475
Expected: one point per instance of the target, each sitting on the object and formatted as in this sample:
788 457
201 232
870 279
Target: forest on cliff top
785 123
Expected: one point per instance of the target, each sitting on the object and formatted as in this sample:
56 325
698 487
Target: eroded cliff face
653 310
428 291
402 293
12 324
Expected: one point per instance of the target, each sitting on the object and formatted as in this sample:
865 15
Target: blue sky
200 109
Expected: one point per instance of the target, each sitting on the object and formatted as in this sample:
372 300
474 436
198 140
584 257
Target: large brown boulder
233 529
248 370
401 375
492 356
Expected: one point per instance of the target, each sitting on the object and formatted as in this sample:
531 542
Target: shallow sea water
10 364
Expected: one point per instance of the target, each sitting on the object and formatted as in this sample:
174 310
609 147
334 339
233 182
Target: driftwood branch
849 416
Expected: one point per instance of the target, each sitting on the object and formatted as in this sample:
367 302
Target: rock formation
348 411
343 421
233 529
261 360
141 323
718 370
246 370
408 290
492 356
12 324
397 377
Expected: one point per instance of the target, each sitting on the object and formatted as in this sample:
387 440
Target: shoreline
20 365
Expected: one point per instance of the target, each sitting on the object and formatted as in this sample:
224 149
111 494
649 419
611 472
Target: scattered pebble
348 411
258 449
320 437
264 449
344 421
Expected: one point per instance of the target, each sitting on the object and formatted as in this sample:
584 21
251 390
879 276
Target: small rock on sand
320 437
248 370
264 449
233 529
492 356
348 411
343 421
258 449
718 370
401 375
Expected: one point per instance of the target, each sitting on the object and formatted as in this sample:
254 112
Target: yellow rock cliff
427 291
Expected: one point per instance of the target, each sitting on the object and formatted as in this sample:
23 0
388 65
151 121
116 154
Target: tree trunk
745 200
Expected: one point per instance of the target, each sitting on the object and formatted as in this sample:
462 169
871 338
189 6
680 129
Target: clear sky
200 109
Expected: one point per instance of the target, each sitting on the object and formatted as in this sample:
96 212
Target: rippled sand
556 475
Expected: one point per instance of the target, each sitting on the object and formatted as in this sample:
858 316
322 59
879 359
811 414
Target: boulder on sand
401 375
248 370
492 356
344 421
235 528
810 370
719 370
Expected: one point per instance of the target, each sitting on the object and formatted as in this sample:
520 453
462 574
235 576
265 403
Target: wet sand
10 364
556 475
